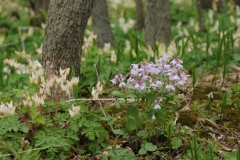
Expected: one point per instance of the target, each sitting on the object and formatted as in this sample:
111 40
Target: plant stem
105 114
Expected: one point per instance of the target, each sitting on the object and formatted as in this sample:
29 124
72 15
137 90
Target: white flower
75 110
94 94
99 88
75 80
64 72
7 109
39 100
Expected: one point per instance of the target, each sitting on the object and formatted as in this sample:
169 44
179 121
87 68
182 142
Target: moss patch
187 118
201 92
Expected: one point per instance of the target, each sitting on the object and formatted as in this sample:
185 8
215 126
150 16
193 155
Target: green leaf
131 123
24 128
177 142
150 147
40 119
118 132
131 95
142 151
151 97
132 111
34 112
143 134
118 94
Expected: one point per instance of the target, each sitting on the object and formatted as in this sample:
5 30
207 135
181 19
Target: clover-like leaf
150 147
177 142
142 151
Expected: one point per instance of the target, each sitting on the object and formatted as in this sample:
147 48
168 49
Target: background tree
139 14
157 23
38 6
101 24
62 45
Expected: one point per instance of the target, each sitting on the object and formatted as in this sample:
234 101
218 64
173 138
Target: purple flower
164 59
122 84
170 88
134 72
144 77
137 86
153 86
153 117
159 83
173 77
157 106
114 81
143 87
173 62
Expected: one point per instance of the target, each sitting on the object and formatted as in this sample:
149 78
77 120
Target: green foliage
176 143
11 123
53 134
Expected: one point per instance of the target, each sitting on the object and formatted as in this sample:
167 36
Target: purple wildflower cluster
151 75
154 76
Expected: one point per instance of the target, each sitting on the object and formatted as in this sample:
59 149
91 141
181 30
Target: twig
105 114
101 99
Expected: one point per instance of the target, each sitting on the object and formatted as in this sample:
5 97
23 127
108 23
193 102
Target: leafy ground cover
183 104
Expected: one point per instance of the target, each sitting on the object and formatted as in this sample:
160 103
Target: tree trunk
157 23
62 45
200 17
101 24
37 5
139 14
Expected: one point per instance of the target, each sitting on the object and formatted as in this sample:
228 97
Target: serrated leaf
177 142
40 119
150 147
24 128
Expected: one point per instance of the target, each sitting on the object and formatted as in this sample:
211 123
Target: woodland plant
163 76
153 82
46 124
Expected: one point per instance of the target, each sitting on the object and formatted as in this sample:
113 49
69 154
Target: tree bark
62 45
139 14
101 24
157 23
200 17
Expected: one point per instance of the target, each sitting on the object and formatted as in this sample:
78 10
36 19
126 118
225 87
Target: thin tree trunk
101 24
200 17
62 45
37 5
157 23
139 14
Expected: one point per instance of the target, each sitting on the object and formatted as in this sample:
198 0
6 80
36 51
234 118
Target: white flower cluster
7 109
107 50
75 110
11 62
126 26
88 42
36 73
97 91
